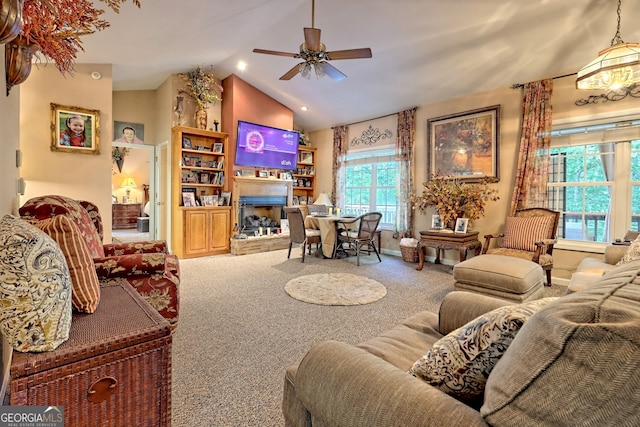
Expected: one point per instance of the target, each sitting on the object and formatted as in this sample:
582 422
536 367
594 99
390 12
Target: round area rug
335 289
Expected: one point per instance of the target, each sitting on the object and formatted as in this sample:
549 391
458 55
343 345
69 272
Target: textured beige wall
79 176
9 143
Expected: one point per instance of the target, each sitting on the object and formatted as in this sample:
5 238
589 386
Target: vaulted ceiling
424 51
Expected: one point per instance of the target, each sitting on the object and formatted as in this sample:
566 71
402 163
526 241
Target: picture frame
132 133
225 198
207 201
461 225
284 225
186 143
263 174
63 136
295 201
305 157
188 199
465 145
436 222
217 147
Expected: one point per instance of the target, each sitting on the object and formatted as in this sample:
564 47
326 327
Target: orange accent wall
241 101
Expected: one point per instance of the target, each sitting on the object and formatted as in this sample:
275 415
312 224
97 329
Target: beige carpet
335 289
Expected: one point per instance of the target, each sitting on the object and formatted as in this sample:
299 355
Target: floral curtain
404 185
340 145
530 187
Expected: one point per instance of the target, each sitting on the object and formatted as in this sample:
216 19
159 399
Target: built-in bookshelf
304 177
200 198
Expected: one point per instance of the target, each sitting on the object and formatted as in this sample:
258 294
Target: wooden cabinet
201 211
304 177
124 215
206 232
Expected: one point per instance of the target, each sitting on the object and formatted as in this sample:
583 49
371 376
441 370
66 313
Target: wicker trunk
115 369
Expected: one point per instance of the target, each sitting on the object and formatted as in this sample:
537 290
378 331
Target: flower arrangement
202 86
303 139
455 199
118 153
58 25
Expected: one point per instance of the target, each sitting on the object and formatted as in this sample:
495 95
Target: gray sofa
574 362
591 269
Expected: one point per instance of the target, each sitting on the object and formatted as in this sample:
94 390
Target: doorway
133 193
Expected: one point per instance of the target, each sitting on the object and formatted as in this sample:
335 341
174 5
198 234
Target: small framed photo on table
461 225
436 222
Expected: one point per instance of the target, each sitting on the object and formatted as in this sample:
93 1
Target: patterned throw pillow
632 254
35 288
86 288
459 363
521 232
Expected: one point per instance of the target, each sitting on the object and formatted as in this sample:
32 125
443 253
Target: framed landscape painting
75 129
465 145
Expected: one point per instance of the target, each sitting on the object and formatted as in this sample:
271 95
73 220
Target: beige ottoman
509 278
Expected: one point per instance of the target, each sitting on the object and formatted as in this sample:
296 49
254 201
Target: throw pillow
459 363
521 232
632 254
86 288
35 288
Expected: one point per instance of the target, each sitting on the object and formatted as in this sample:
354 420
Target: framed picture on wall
75 129
465 145
131 133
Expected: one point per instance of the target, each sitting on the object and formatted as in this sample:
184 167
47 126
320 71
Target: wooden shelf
304 177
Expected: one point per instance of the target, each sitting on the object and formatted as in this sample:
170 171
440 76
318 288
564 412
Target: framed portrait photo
75 129
436 222
132 133
465 145
461 225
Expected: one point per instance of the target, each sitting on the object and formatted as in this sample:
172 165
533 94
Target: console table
440 241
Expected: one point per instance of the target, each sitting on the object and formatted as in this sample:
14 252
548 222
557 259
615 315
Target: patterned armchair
529 234
146 265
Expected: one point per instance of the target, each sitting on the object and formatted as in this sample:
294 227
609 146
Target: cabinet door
219 231
196 232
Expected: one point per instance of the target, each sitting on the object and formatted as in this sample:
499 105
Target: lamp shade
323 199
615 67
128 183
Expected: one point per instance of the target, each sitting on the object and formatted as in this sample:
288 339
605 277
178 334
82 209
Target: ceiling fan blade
292 72
365 52
312 39
274 52
332 72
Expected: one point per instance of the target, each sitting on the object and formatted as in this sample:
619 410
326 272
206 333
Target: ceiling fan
314 55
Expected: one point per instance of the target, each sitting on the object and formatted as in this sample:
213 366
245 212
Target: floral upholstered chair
529 234
146 265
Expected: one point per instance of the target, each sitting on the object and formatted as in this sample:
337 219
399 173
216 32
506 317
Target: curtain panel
404 186
530 187
340 145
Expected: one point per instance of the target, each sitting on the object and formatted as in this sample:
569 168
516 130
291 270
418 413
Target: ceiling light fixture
616 66
242 65
304 108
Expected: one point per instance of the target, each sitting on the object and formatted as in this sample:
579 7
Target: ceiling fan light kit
615 67
314 55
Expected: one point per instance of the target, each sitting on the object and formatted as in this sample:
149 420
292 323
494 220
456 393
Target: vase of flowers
453 198
118 155
204 89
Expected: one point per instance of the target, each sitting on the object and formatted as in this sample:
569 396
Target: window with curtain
370 183
594 181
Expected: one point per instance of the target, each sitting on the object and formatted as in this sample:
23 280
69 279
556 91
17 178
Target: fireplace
260 212
258 202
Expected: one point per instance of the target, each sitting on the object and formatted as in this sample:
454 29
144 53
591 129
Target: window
370 184
594 184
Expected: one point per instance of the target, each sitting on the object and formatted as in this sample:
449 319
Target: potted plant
204 88
453 198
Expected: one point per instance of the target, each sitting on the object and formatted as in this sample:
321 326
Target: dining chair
359 233
298 233
317 209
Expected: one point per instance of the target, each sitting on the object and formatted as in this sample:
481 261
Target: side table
440 241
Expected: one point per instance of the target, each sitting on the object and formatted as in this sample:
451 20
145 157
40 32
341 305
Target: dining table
328 231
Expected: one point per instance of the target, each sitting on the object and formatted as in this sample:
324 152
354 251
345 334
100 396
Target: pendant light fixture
616 66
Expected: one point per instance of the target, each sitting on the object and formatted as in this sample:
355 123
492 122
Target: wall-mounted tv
266 147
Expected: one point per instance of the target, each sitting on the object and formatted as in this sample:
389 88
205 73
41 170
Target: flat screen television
266 147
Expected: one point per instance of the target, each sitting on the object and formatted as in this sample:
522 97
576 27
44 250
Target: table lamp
323 199
128 184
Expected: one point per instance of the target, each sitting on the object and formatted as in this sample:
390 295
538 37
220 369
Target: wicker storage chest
115 369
